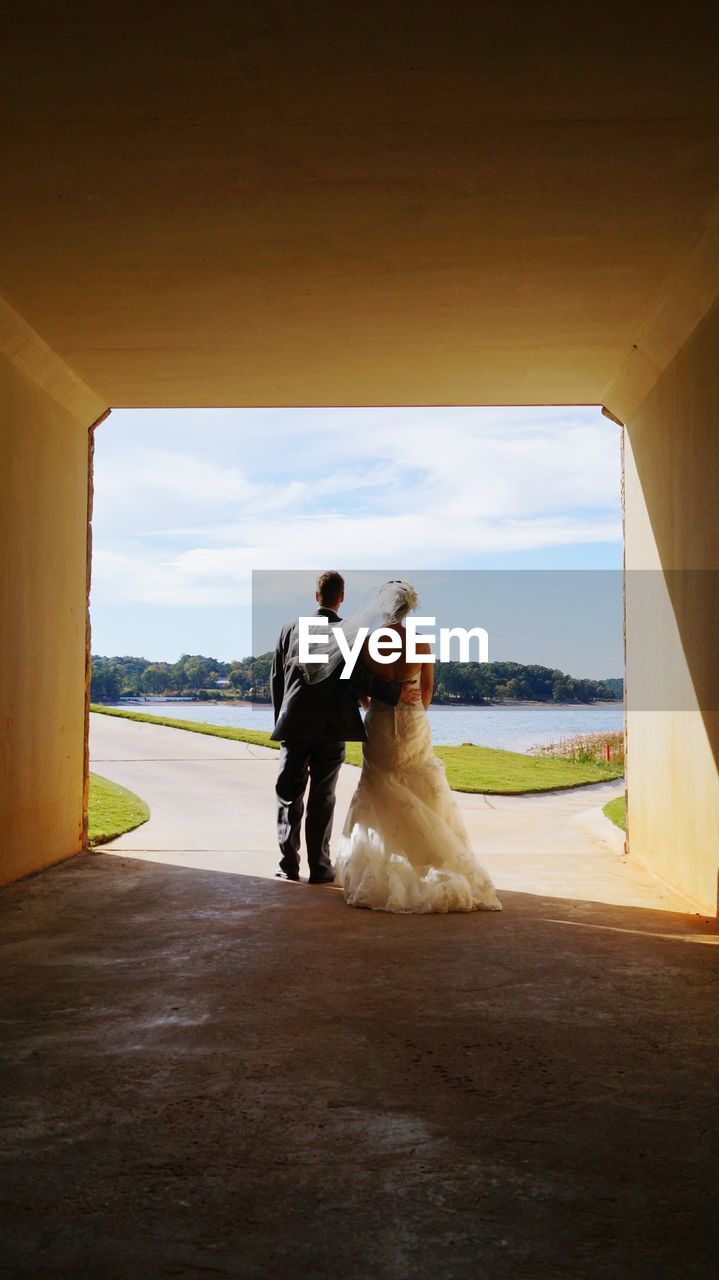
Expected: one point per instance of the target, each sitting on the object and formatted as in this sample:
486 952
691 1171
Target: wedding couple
404 846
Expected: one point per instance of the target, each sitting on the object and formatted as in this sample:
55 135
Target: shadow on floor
214 1075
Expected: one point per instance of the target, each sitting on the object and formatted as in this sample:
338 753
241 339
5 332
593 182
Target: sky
188 502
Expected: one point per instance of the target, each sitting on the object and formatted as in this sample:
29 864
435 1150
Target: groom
313 722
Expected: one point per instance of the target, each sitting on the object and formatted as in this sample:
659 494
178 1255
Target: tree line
196 676
191 676
481 683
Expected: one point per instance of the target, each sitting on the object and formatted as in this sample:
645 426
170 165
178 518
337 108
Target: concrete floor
208 1073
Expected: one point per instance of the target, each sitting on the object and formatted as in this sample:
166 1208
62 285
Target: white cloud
429 488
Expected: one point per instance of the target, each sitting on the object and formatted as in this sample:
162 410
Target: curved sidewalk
212 808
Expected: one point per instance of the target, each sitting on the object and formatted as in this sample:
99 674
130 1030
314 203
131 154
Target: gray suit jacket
329 710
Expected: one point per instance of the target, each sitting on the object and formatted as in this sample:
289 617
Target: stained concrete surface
208 1073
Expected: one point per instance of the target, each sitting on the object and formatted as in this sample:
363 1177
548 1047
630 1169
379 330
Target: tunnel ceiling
362 204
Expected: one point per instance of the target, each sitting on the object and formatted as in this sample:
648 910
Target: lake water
517 728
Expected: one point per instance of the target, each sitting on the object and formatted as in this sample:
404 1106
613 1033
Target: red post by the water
607 752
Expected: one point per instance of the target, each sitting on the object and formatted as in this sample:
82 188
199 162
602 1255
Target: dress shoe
281 874
323 877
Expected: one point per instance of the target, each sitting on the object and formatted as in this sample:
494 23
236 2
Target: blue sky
188 502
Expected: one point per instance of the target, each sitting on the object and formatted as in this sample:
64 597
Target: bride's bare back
401 670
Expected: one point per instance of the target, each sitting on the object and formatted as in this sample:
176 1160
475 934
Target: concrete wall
672 521
43 519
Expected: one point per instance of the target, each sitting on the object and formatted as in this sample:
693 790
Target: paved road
211 804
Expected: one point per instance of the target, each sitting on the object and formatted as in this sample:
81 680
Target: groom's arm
365 682
277 676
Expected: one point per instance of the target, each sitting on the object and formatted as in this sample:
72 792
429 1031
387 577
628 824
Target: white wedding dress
405 847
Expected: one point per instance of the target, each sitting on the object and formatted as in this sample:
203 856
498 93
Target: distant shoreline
247 702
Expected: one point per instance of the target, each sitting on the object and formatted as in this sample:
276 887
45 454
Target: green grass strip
616 812
257 737
112 810
484 770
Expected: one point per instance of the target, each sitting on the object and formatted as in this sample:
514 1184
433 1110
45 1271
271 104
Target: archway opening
502 501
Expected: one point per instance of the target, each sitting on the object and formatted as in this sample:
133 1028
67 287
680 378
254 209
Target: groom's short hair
330 586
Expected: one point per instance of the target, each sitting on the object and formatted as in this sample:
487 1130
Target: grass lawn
616 812
505 773
469 768
112 810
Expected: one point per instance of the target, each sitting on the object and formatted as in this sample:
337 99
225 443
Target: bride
405 847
